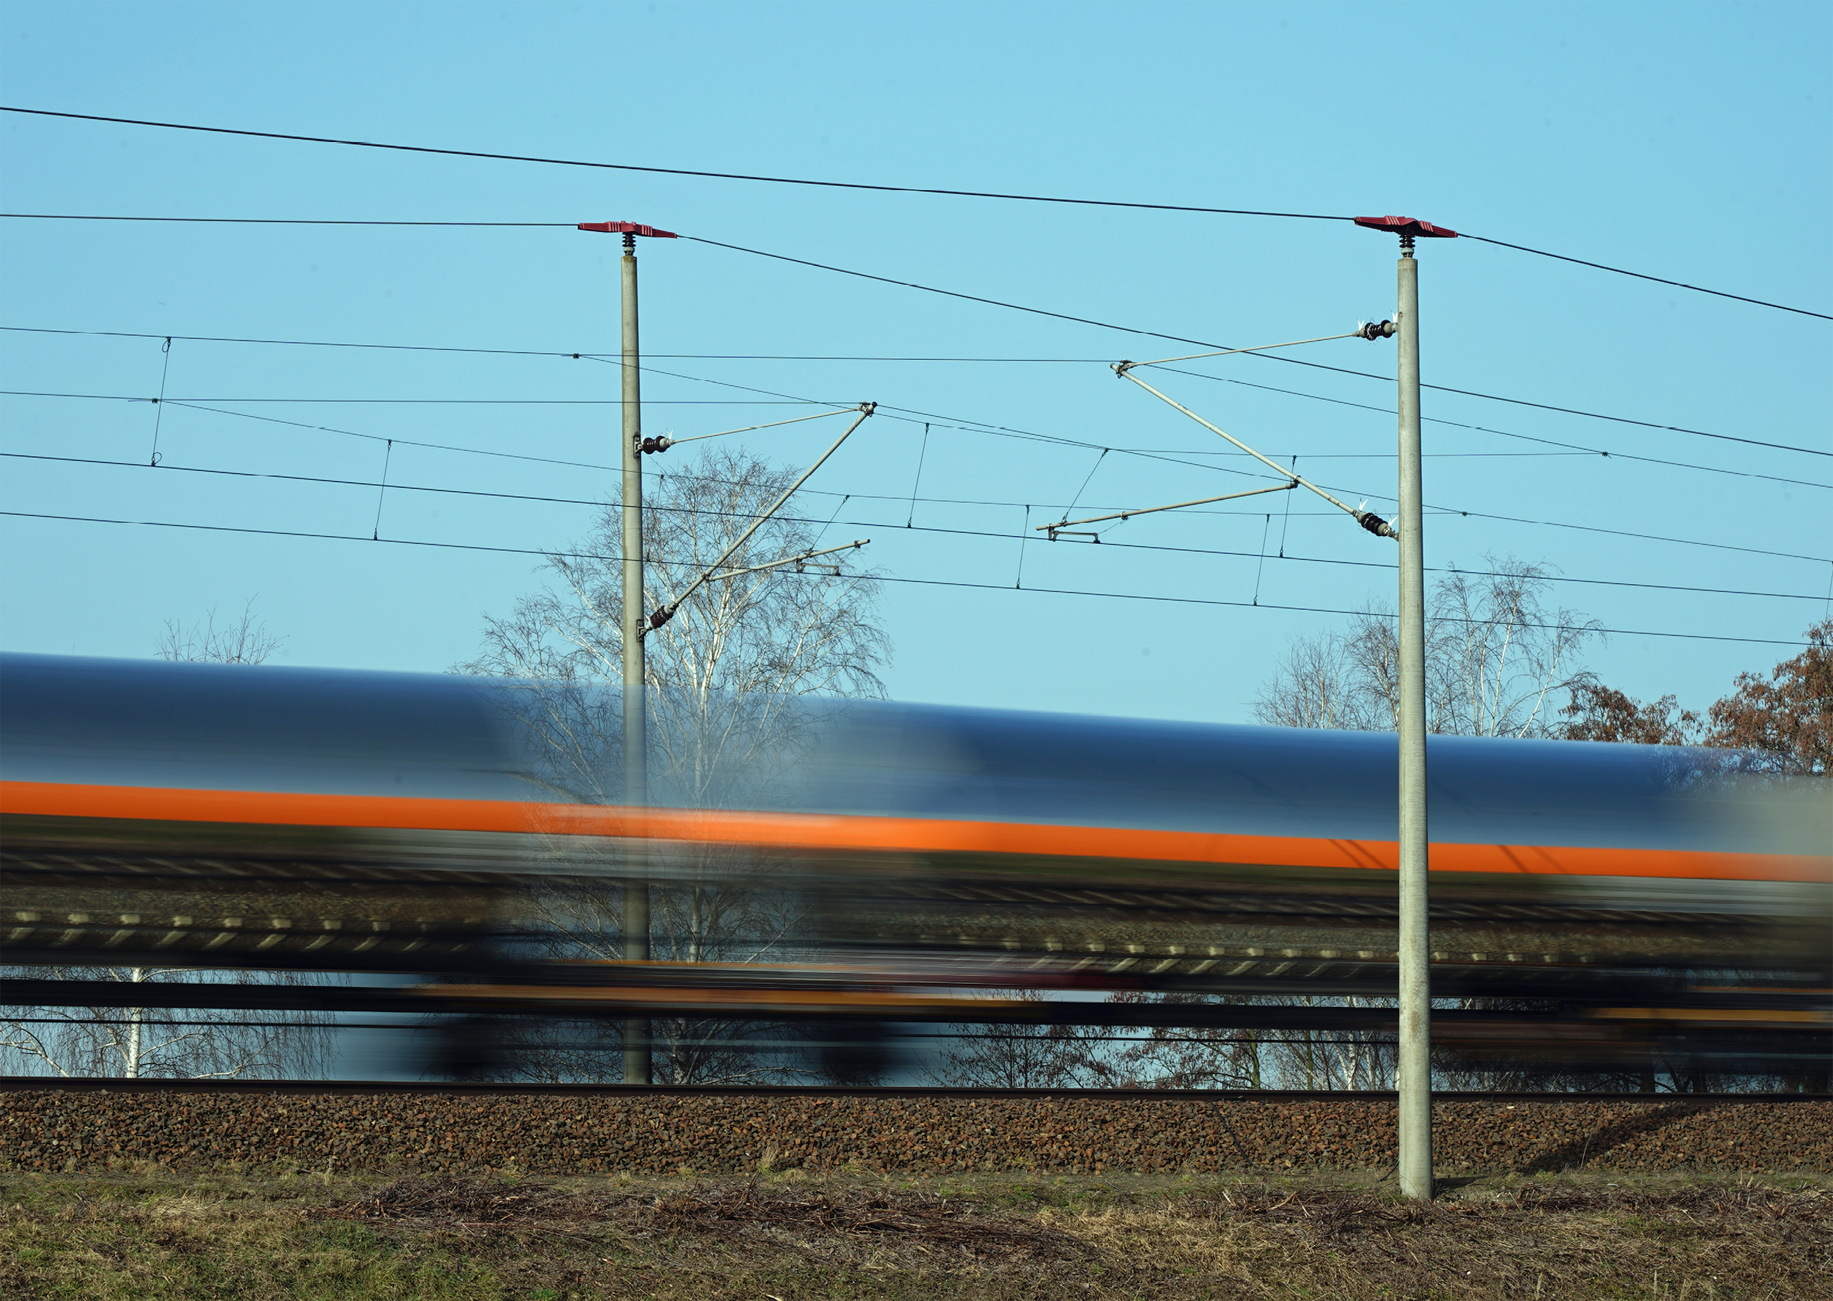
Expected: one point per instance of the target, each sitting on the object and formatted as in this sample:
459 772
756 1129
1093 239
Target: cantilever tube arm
1053 529
664 443
1366 518
798 560
663 613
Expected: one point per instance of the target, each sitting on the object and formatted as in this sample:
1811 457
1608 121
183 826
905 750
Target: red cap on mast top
631 228
1407 226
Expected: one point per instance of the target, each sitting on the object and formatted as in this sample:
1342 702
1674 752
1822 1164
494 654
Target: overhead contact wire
879 524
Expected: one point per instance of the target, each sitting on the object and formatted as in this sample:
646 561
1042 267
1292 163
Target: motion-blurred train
1601 902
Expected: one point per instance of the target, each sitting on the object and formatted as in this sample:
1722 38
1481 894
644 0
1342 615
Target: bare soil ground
795 1236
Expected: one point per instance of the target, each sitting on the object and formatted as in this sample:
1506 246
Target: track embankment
562 1133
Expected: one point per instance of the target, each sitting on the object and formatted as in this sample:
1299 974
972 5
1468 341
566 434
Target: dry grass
794 1238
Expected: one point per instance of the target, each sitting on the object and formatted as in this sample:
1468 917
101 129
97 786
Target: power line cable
1639 275
889 412
447 402
1266 356
1573 448
278 221
1624 533
405 442
867 577
1175 459
1299 609
674 171
614 359
1001 431
383 485
295 343
791 180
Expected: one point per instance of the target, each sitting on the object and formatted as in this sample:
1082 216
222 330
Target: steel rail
366 1088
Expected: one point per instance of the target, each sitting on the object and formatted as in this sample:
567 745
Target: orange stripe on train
910 835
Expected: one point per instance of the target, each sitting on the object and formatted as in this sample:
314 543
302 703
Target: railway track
413 1088
391 1128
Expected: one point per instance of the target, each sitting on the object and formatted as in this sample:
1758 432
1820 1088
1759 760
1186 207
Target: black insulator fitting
662 615
653 445
1373 523
1373 330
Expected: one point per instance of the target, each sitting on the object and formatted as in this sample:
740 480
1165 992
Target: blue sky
1687 141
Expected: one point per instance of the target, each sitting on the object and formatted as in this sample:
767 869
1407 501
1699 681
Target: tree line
1502 661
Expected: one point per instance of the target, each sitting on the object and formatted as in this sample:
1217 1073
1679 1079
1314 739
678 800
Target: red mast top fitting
1407 226
631 228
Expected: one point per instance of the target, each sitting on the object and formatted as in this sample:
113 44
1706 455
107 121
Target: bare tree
1324 681
1227 1057
246 641
1001 1055
1495 652
157 1043
737 683
1498 652
151 1042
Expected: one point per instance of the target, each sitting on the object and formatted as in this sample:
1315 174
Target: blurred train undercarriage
1594 907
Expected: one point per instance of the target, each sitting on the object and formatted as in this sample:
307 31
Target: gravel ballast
433 1132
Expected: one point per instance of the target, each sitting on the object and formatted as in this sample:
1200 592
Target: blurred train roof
248 727
209 726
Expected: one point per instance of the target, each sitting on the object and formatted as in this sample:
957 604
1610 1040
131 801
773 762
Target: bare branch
735 678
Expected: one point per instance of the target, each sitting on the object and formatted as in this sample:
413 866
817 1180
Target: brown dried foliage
1788 715
1600 713
1791 714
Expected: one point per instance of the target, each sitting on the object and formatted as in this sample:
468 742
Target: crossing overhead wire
296 343
1262 356
808 182
947 422
1624 533
1259 347
1577 449
874 578
520 352
1572 448
912 416
1301 609
384 485
1297 361
405 442
889 412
